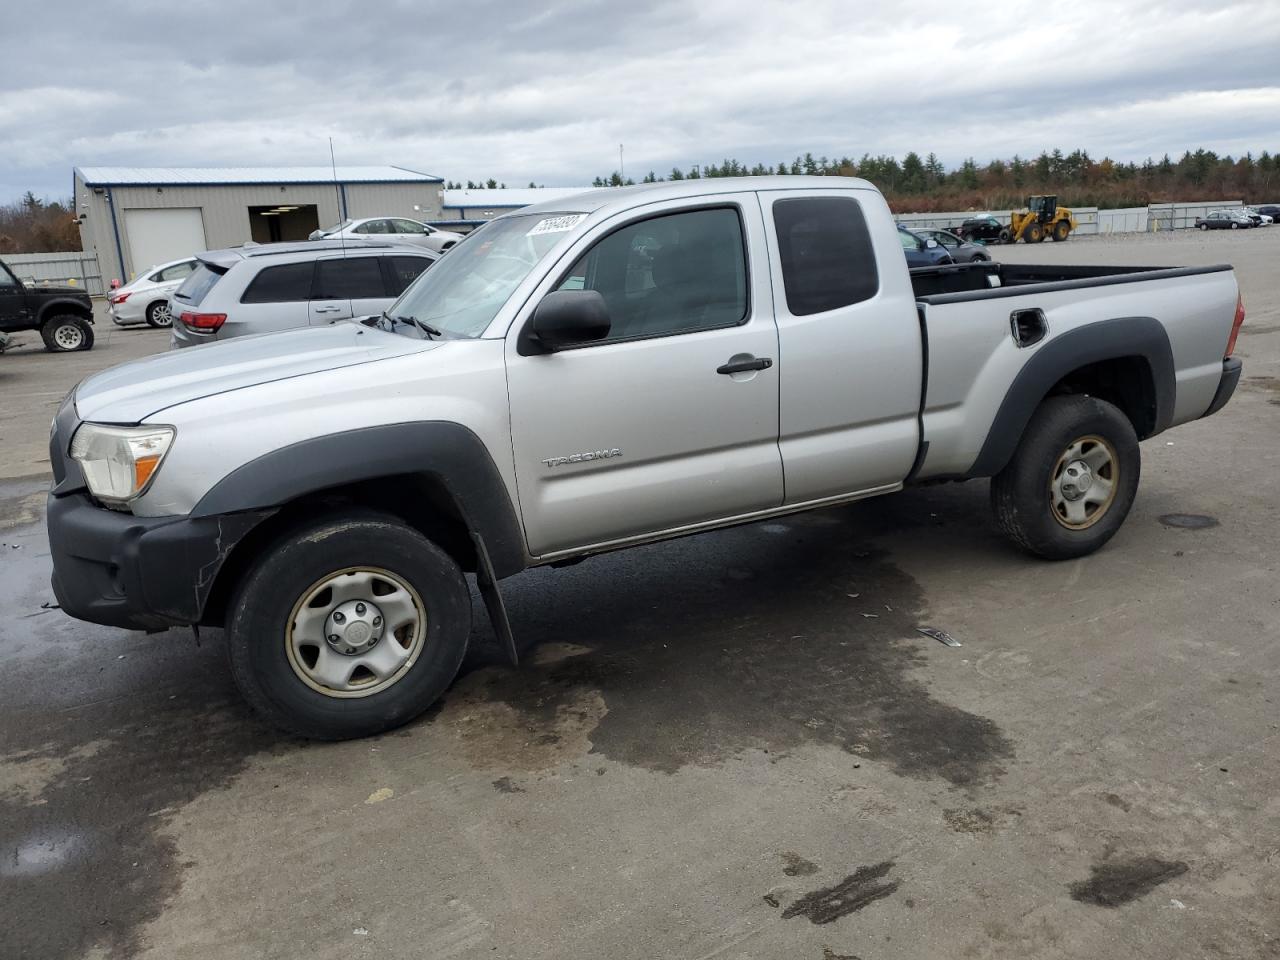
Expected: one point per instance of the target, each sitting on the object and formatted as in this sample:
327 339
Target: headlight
119 462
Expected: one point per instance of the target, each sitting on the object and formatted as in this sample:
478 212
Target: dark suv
63 315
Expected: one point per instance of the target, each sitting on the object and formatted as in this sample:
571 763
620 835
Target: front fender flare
447 452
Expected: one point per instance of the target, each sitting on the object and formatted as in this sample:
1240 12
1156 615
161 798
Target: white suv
262 289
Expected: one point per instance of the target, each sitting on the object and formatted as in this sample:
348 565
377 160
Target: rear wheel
158 314
1235 226
349 626
1033 233
66 333
1061 230
1071 481
1005 235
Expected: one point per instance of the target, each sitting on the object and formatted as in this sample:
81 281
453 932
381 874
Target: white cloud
498 88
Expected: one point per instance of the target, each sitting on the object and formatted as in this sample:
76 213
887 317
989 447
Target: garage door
156 236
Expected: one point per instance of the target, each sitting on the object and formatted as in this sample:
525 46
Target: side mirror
930 244
565 318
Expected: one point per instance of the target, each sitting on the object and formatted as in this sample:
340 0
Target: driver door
644 432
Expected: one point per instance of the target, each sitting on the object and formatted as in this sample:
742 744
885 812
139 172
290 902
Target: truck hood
136 390
59 289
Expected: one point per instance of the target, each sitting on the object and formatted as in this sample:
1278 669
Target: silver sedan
391 228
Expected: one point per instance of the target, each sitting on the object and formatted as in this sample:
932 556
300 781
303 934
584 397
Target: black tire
1022 495
1204 226
268 603
979 258
1234 225
66 333
158 314
448 246
1033 233
1061 230
1005 236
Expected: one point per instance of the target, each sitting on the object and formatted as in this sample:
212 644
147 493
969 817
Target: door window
179 271
7 279
353 278
671 274
948 240
406 226
402 271
286 283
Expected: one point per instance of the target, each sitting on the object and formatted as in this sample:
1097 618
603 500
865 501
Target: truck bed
1182 315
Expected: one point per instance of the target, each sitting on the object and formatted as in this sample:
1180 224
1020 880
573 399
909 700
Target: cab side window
7 279
670 274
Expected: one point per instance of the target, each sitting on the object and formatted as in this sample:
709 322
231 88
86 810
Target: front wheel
1071 481
1061 230
66 333
1204 226
1235 226
349 626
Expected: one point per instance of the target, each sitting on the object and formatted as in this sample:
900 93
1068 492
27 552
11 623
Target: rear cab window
826 254
197 286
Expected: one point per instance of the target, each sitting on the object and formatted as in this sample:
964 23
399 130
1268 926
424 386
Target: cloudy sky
524 91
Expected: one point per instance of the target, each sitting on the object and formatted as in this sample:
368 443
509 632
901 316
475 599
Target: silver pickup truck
594 373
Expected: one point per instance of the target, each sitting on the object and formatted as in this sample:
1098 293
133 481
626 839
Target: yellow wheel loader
1042 218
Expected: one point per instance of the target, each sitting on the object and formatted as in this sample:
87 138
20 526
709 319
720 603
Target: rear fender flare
1105 340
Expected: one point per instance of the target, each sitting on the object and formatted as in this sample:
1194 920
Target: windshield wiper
422 325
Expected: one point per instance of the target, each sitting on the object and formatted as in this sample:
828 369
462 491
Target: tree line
32 225
919 184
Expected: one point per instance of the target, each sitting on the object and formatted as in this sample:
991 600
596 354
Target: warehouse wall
392 200
226 211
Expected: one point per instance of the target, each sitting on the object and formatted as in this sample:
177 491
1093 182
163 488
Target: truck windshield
462 293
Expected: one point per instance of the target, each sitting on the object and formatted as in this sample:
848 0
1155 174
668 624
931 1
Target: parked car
146 298
276 286
1258 217
1270 210
922 252
961 251
391 228
62 314
1225 220
986 229
637 364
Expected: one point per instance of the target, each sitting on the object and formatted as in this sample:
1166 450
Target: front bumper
1231 368
142 573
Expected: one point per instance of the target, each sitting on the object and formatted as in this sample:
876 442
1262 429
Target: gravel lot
729 746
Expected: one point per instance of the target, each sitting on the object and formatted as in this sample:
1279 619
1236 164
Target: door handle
328 309
745 366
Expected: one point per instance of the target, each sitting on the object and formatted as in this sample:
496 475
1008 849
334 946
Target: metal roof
504 199
224 176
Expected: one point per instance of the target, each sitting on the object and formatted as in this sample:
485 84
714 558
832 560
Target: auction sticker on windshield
556 224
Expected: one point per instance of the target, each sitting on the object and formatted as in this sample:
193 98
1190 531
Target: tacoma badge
583 457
